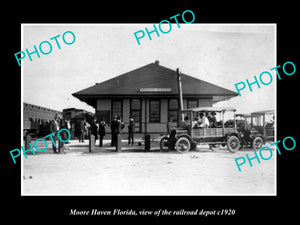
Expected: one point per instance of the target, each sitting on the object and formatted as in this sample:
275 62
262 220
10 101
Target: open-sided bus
222 131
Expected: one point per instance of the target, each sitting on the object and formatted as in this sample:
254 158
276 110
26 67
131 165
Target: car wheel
183 145
163 144
233 144
257 143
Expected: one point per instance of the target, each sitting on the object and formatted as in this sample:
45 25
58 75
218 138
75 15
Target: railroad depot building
150 95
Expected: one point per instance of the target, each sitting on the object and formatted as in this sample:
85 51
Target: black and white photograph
146 113
133 110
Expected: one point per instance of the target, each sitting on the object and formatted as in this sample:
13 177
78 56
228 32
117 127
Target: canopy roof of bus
243 114
210 109
263 112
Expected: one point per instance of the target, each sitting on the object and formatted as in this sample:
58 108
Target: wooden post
92 143
119 143
61 147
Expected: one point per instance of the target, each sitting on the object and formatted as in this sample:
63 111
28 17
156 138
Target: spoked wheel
183 145
257 143
163 144
233 144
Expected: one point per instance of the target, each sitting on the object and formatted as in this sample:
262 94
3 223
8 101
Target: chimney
156 62
179 82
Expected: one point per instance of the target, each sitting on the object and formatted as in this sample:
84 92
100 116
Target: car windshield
257 120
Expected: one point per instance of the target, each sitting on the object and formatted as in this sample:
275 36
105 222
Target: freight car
35 117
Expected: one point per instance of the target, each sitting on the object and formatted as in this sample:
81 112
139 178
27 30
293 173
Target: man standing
114 127
67 125
94 128
87 129
54 127
82 131
131 128
170 125
101 131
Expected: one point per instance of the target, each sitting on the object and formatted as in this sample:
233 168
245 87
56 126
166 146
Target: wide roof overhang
152 81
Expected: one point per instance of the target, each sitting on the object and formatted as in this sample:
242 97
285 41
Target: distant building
73 113
33 115
150 95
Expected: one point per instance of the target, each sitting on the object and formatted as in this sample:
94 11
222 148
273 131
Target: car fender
234 134
259 135
186 136
163 136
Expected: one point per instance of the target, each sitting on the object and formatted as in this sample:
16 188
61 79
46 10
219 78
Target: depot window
173 110
154 111
136 113
192 103
116 108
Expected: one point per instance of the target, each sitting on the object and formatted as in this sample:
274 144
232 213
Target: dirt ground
136 172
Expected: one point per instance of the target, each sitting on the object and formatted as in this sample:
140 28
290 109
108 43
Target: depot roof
152 80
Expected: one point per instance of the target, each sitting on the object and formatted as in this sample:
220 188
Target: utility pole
180 97
179 82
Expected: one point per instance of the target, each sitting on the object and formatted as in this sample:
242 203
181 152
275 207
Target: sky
222 54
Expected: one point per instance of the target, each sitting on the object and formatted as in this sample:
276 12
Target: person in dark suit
212 120
131 128
94 128
114 127
101 131
81 130
54 127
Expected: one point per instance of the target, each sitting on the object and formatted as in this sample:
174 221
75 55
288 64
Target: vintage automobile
249 135
186 136
263 121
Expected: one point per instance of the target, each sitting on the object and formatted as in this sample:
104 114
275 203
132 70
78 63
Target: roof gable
153 76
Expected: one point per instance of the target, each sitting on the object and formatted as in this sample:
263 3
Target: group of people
117 125
44 127
205 119
98 129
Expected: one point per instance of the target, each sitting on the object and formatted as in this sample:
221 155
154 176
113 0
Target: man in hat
114 127
212 120
131 128
81 130
101 131
54 127
94 128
